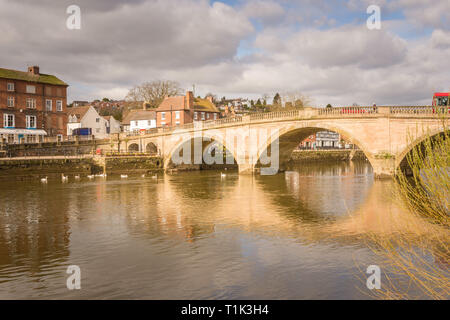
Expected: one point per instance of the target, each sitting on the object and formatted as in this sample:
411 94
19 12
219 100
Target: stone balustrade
306 113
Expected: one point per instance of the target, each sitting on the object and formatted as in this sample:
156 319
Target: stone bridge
385 134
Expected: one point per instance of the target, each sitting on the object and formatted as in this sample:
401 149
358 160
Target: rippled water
194 235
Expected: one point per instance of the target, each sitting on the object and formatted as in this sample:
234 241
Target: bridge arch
151 148
401 158
133 147
291 135
208 138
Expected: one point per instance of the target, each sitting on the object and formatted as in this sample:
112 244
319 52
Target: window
215 116
48 105
11 102
48 91
203 116
8 120
177 123
149 122
31 89
31 138
31 121
177 114
195 116
59 105
97 119
163 116
31 103
10 86
207 116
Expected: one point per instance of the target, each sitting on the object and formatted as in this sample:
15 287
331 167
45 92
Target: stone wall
132 164
30 168
66 148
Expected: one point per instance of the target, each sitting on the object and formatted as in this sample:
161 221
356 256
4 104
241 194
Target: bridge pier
246 168
383 168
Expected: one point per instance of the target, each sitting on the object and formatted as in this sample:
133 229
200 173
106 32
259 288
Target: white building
113 125
327 139
87 117
138 120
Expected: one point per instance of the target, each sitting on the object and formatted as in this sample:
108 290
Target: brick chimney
145 105
34 70
189 100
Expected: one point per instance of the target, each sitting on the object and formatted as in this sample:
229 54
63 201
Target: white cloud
194 42
266 11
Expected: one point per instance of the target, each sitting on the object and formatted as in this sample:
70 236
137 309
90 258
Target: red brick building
32 105
308 143
179 110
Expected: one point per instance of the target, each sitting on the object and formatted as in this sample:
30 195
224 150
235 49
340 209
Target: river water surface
296 235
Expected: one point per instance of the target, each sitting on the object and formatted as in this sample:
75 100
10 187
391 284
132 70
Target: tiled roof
139 115
179 103
204 105
25 76
172 103
79 112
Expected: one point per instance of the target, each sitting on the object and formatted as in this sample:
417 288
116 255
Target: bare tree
153 92
295 100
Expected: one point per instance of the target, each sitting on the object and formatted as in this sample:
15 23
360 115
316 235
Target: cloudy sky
237 47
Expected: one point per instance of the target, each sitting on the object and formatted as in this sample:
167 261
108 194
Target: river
195 235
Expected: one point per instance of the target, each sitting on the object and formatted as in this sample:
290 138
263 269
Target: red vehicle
441 99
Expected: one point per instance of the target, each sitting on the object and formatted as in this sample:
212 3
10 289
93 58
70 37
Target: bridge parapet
422 110
304 114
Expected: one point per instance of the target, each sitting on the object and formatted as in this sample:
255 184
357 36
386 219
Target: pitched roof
79 112
204 105
179 103
172 103
139 115
25 76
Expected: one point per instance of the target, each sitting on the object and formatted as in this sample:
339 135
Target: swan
64 178
77 177
155 176
143 176
90 176
222 175
124 176
103 175
44 180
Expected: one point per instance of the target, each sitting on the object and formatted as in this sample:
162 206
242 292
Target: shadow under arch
134 147
192 143
401 161
291 136
151 148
